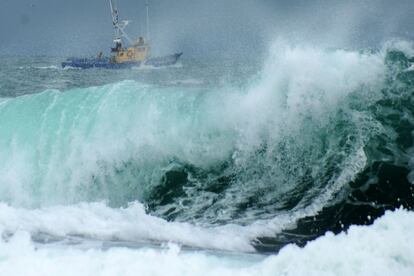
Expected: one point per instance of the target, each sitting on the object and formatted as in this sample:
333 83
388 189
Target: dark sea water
211 165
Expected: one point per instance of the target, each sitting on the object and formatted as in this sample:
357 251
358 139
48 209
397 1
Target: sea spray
255 158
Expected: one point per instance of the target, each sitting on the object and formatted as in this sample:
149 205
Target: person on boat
118 46
100 55
140 42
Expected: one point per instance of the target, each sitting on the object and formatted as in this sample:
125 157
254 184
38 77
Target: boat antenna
147 20
119 27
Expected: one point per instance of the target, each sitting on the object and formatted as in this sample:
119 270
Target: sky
212 28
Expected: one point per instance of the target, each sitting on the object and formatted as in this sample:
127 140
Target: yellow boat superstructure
138 52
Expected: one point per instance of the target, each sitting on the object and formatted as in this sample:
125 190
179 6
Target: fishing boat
137 53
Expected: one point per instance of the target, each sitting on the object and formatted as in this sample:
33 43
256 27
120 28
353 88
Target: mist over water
241 29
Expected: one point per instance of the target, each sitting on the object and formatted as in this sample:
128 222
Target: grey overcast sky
201 27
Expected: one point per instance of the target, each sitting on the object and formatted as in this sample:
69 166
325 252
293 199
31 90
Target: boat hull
87 63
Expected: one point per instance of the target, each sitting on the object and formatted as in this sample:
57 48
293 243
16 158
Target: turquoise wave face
104 143
295 139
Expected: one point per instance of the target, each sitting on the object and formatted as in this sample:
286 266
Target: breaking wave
321 134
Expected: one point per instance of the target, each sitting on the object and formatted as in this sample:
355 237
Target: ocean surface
298 164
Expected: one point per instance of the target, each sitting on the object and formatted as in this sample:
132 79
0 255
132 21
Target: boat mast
118 26
147 20
115 18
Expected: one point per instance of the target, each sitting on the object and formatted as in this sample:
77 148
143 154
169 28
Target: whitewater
302 165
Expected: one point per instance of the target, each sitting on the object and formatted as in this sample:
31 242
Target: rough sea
298 164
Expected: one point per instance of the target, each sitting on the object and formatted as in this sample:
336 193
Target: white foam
385 248
48 67
400 45
411 68
152 67
97 221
